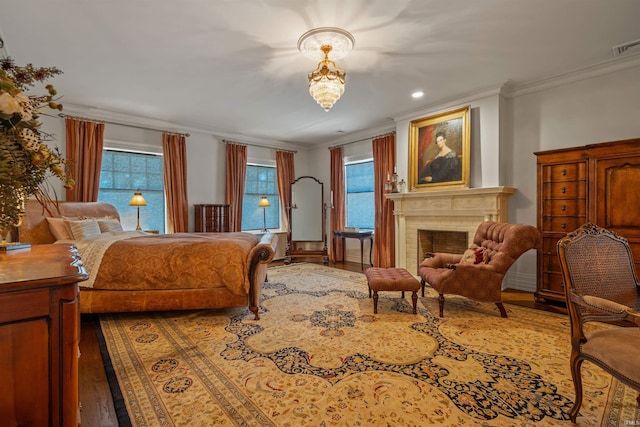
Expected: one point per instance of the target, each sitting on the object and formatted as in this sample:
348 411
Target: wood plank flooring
97 408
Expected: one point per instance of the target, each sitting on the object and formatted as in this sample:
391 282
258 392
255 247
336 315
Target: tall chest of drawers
596 183
211 218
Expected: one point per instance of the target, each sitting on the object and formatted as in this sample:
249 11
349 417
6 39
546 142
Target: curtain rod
87 119
226 141
363 139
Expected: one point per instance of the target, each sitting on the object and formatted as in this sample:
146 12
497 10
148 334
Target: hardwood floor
97 407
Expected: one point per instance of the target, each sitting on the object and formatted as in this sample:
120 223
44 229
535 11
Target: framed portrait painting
439 148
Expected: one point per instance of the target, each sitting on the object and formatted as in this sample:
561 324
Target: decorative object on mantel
26 162
439 151
326 82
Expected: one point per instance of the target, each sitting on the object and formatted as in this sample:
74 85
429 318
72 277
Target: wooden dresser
596 183
39 336
211 218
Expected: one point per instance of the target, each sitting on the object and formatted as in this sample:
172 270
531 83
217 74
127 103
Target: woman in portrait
445 166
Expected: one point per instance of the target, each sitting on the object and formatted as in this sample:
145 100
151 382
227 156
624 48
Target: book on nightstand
11 246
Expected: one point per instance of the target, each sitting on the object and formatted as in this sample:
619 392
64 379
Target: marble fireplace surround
459 210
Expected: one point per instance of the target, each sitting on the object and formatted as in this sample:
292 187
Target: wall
508 126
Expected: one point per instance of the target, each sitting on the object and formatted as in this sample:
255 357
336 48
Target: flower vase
11 212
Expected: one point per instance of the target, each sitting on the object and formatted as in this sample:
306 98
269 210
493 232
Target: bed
136 271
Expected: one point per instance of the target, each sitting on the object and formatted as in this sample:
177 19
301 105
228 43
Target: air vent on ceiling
621 49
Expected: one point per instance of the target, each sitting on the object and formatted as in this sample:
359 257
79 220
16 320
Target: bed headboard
35 229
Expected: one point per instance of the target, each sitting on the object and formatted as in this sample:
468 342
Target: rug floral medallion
320 357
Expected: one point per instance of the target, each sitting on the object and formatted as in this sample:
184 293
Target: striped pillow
84 229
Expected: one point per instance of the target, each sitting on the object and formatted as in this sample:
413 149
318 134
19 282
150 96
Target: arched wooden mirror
307 235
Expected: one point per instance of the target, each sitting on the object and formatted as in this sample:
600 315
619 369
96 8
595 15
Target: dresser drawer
565 172
565 207
564 190
563 224
553 282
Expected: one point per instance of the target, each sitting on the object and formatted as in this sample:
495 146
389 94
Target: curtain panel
174 148
85 140
338 192
384 160
286 175
236 176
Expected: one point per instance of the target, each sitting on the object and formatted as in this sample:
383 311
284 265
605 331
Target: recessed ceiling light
417 94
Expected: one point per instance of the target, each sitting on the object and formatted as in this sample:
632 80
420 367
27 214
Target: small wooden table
360 235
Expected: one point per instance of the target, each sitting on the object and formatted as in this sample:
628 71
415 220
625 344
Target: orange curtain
85 140
286 175
236 176
384 160
338 192
174 148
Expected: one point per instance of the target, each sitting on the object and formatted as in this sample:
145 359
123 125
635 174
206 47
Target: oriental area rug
320 357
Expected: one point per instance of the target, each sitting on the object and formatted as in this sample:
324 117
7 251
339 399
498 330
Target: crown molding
596 70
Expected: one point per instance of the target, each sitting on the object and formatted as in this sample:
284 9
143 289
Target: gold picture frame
439 151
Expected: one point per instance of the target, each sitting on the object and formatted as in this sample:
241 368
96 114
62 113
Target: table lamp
138 200
264 204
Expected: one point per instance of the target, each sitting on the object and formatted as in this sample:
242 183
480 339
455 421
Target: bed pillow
84 229
59 228
108 225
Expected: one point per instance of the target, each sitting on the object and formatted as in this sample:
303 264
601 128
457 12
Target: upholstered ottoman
391 279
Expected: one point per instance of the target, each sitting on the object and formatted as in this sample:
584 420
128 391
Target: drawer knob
564 208
564 172
563 225
563 190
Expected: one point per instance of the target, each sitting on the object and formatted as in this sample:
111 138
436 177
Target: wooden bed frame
35 230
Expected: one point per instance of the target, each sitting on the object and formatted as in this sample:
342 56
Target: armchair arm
608 307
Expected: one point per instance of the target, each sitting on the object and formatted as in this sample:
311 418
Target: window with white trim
125 172
261 180
360 204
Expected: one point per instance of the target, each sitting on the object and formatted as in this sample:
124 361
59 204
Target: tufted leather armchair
601 286
501 245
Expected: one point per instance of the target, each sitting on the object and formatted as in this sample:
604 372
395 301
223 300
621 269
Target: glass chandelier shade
326 83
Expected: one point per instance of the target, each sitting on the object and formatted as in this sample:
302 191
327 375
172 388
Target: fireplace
457 211
453 242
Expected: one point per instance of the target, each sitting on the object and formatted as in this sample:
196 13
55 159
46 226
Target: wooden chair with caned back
601 286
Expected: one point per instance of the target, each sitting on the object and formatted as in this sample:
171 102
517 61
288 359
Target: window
260 181
360 202
125 172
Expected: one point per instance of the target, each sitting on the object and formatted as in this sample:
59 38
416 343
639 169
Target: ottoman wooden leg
414 298
375 302
441 304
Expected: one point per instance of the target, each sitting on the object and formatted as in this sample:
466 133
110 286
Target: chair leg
422 283
503 312
577 384
375 302
441 304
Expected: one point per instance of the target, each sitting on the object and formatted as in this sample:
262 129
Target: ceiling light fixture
326 82
417 94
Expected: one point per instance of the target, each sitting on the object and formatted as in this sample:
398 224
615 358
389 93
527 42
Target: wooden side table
39 335
360 235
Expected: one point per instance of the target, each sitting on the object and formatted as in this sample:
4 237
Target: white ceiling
232 66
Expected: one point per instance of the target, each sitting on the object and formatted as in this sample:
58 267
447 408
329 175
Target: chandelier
326 82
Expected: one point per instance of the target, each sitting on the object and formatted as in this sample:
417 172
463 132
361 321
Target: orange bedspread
177 261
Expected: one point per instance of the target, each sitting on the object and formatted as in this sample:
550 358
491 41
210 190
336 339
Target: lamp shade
264 202
137 200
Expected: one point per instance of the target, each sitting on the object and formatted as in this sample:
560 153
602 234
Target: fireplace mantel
448 210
